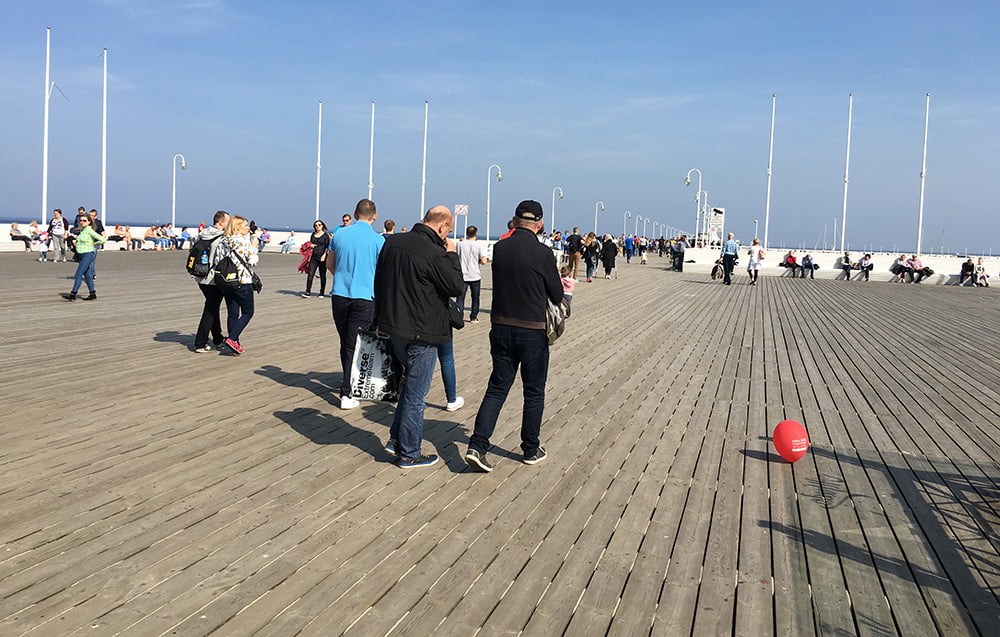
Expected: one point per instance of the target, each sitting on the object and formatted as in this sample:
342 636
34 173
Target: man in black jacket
525 279
417 273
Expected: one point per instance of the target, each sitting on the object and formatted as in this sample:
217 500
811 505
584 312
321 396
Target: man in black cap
525 279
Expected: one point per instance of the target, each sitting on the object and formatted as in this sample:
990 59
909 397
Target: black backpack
199 262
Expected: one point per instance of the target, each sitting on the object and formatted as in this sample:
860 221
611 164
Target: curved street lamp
173 189
598 206
628 215
655 223
697 204
644 222
637 219
553 228
489 181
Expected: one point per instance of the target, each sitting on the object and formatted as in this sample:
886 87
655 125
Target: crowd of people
406 285
59 236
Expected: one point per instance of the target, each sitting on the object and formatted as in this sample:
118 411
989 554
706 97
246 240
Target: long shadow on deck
956 518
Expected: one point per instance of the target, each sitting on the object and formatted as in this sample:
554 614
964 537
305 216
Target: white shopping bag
375 375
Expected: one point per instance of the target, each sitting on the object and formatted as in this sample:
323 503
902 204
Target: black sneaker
391 446
536 457
419 461
477 461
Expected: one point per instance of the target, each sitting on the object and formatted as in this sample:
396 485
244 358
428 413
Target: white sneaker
455 406
346 402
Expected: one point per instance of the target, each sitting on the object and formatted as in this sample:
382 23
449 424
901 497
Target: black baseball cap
529 209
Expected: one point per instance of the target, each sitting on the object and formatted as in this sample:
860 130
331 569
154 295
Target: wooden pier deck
146 490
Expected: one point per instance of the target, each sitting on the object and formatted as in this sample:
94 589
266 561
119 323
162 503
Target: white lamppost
705 238
654 227
598 206
644 221
628 215
553 223
173 189
697 203
754 228
489 182
638 218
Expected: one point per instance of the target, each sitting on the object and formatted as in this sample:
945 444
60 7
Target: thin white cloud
185 16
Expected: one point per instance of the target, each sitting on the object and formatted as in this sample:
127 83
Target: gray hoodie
210 232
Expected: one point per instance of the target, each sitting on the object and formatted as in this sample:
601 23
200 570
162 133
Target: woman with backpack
238 247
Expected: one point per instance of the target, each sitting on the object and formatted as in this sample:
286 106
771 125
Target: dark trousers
510 348
475 286
811 269
350 315
239 309
211 321
315 265
728 263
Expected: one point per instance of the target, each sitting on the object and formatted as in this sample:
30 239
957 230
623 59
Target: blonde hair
234 224
756 242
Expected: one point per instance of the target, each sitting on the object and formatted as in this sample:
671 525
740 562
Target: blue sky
609 101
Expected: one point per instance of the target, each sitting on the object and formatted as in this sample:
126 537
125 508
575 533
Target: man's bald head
439 219
436 215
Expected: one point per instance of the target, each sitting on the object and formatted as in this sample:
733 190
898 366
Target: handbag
375 373
456 315
555 320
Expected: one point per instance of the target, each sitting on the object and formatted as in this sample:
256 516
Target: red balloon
791 440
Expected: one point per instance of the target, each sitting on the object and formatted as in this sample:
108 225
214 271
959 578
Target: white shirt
470 253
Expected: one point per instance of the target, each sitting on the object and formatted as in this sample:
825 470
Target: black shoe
70 296
91 297
477 461
419 461
536 457
392 447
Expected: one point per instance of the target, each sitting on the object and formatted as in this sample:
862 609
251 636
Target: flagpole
923 174
770 158
104 146
423 171
45 126
847 171
371 155
319 149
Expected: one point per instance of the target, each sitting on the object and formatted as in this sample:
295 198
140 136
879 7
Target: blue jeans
475 287
446 355
85 271
511 347
239 307
407 427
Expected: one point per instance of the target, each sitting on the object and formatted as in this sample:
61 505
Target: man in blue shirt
352 258
629 247
729 250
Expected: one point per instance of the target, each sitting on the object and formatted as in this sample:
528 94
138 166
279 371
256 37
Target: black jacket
414 279
524 277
